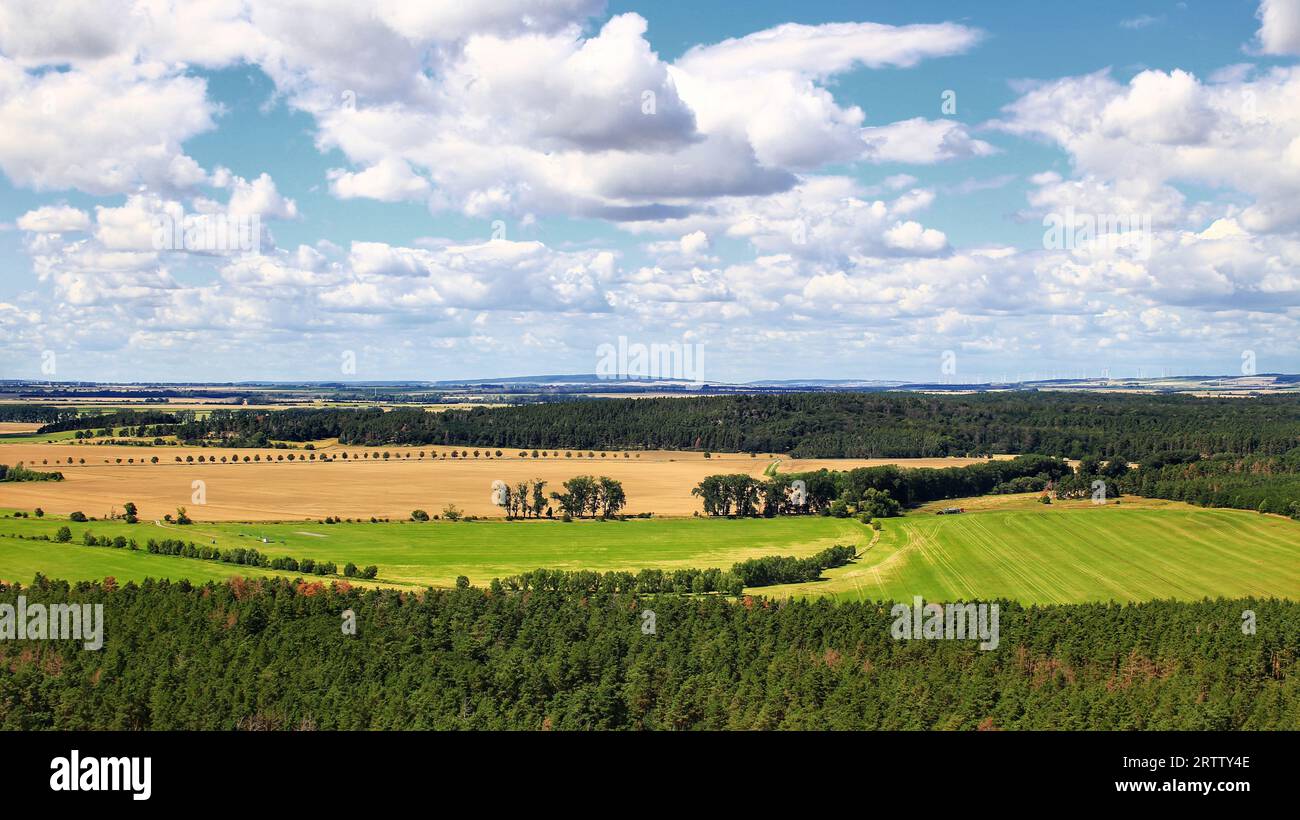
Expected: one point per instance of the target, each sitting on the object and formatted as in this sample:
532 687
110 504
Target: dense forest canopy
1269 484
841 492
273 655
118 418
812 425
35 413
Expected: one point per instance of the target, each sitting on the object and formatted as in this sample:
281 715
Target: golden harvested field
18 427
655 481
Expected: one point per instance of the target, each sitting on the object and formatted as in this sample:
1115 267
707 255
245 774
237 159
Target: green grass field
21 560
1074 552
37 438
433 553
1003 547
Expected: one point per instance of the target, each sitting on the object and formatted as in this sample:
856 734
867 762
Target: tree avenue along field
656 481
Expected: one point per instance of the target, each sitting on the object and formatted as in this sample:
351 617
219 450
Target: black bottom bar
343 769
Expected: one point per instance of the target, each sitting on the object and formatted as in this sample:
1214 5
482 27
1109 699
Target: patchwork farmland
297 484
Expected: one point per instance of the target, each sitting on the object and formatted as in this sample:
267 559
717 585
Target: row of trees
784 569
269 458
597 497
252 558
526 499
739 494
645 582
141 419
239 555
870 492
21 473
755 572
744 496
142 431
495 660
1083 485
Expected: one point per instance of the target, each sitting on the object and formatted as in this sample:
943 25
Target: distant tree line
1268 484
812 425
873 492
258 428
35 413
120 418
471 658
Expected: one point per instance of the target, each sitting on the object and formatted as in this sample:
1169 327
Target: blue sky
448 192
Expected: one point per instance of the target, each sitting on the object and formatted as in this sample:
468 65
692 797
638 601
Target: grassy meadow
1070 552
432 553
1002 547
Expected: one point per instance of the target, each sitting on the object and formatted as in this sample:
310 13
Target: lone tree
612 497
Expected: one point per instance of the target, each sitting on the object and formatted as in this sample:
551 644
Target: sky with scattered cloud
275 189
